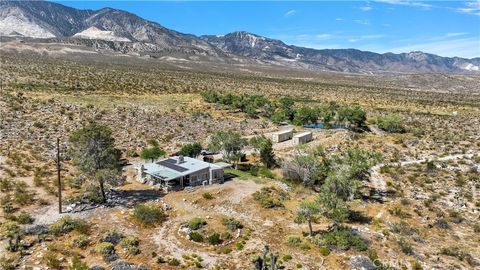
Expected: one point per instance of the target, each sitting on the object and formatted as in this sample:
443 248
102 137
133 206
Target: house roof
168 169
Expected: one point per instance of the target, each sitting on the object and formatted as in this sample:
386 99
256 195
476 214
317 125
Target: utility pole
58 177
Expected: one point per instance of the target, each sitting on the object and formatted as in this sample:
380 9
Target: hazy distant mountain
125 32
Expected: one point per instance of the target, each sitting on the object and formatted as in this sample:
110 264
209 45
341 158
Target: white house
176 173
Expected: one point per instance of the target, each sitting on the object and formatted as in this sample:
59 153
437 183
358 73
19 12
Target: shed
282 135
302 138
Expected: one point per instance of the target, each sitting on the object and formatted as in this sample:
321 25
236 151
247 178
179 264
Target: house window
194 178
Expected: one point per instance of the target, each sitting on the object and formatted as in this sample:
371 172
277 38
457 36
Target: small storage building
282 135
302 138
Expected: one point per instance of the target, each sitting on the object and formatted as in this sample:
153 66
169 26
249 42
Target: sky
446 28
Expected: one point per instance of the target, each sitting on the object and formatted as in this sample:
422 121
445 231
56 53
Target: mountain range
125 32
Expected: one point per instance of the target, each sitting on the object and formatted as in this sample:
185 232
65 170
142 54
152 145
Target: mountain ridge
48 20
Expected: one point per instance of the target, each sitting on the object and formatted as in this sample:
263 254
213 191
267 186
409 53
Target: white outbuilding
302 138
282 135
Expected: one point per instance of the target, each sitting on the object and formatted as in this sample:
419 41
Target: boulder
361 263
121 265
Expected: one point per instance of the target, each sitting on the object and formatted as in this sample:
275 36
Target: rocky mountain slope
125 32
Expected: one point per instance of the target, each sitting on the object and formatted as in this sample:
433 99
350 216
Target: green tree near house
305 115
153 152
229 143
191 149
264 147
93 152
306 212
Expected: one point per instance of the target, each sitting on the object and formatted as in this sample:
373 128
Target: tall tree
93 151
153 152
229 143
191 149
264 146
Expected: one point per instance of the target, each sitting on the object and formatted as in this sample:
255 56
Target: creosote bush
196 223
67 224
148 215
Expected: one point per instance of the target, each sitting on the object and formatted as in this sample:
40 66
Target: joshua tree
261 263
307 212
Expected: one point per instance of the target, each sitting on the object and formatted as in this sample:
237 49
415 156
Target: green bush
342 238
405 247
207 196
266 173
81 241
9 229
148 215
293 241
270 197
196 236
105 248
214 239
67 224
51 260
232 223
196 223
287 257
131 245
112 236
77 264
324 251
173 262
458 253
24 218
239 245
391 123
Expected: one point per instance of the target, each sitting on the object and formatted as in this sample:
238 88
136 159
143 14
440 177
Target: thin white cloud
472 8
324 36
366 8
291 13
364 22
406 3
455 34
339 19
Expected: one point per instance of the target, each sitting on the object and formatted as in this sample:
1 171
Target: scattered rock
361 263
121 265
96 267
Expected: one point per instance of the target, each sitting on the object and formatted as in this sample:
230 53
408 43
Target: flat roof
168 169
303 134
283 131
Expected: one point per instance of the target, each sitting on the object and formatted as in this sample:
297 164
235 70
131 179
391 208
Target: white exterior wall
302 138
282 136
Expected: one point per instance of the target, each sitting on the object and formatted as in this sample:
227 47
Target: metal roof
168 169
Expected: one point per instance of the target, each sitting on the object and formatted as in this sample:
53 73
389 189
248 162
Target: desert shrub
324 251
130 244
405 247
391 123
105 248
442 224
457 253
254 170
81 241
173 262
148 215
239 245
403 228
196 223
232 223
77 264
51 260
9 229
415 265
196 236
24 218
287 257
342 238
293 241
112 236
207 195
67 224
7 263
270 197
226 236
476 227
214 239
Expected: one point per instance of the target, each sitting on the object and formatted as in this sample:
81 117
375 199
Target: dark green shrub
214 239
196 236
270 197
24 218
196 223
112 236
405 247
391 123
232 223
287 257
342 238
207 196
81 241
131 245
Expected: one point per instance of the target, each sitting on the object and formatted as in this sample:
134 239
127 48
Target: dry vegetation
428 219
